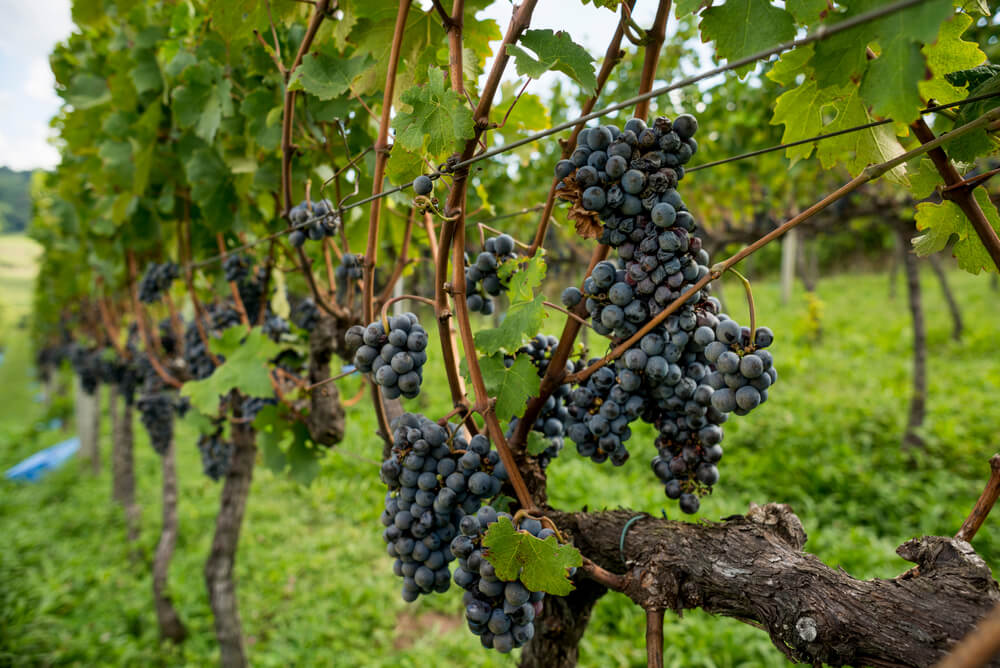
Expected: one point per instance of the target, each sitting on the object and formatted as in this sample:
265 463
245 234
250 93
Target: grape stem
486 228
750 304
385 306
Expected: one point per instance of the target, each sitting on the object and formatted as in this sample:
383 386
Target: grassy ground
315 586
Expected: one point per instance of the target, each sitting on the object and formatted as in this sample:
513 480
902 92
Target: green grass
315 586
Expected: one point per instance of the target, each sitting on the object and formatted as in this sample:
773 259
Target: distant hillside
15 200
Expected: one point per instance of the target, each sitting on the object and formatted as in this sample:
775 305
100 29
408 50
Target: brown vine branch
984 504
453 237
654 42
402 259
111 328
960 194
381 158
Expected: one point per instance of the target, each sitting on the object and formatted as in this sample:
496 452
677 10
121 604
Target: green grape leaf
537 444
530 113
523 321
235 20
889 84
201 105
808 12
861 148
503 503
272 428
525 274
790 65
924 179
973 144
245 369
541 565
146 73
743 27
303 457
326 76
607 4
950 53
403 166
689 7
974 76
511 386
800 110
87 90
553 51
437 115
939 222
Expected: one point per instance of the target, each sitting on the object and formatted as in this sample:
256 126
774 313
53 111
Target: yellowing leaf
940 221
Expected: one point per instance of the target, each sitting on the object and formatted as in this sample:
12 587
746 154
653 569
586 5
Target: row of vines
254 194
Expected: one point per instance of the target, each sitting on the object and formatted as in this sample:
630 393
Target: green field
315 585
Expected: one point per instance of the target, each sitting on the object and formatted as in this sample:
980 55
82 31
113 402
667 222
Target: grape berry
395 358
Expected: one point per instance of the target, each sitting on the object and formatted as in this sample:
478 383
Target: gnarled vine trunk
326 412
752 568
219 567
88 423
171 627
949 297
918 401
123 460
561 627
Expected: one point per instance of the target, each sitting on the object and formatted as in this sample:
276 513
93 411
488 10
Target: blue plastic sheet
40 463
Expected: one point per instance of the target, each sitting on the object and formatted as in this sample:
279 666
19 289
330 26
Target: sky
31 28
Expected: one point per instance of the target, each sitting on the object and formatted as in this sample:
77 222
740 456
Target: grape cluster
252 405
216 455
684 375
274 327
619 174
157 280
599 414
501 613
235 267
551 420
318 224
156 411
348 271
167 339
395 358
306 314
434 478
87 365
482 282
